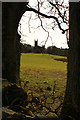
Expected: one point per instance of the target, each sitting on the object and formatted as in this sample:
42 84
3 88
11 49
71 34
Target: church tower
35 43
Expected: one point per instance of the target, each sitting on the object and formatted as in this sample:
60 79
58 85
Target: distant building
35 43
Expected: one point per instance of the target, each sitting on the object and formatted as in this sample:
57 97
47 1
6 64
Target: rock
8 114
13 94
45 82
42 117
26 83
49 88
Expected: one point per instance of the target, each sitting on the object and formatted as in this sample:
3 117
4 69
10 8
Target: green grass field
40 75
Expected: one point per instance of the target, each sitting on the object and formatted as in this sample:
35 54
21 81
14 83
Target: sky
31 30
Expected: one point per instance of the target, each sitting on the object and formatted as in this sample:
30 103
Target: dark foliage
26 48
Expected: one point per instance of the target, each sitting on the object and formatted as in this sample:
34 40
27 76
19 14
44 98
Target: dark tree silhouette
11 15
71 107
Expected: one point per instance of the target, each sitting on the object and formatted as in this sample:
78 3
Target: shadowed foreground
9 114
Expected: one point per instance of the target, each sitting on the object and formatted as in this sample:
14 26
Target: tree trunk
11 14
71 107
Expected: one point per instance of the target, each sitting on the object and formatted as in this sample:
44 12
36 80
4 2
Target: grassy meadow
44 80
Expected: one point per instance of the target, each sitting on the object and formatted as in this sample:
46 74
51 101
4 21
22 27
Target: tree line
26 48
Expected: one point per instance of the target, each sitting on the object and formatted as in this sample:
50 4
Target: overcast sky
30 33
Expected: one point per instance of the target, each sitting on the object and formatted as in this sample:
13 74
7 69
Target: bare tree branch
29 23
51 15
21 32
59 13
28 8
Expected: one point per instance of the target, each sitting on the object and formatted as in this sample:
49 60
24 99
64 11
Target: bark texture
71 108
11 14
